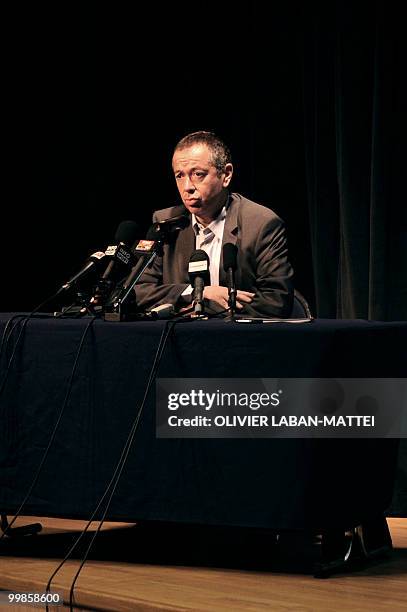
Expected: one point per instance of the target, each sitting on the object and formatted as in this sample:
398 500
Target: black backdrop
310 99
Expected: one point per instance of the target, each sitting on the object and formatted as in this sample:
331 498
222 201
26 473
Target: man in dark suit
203 170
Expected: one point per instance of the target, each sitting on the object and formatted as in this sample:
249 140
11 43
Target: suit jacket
262 262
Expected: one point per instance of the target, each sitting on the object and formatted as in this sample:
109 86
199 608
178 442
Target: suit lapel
185 246
230 233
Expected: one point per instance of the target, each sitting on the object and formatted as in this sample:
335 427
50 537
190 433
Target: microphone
121 251
147 249
198 269
93 263
163 311
125 234
151 243
171 225
229 266
122 257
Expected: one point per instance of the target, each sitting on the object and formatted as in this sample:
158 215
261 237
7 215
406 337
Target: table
278 484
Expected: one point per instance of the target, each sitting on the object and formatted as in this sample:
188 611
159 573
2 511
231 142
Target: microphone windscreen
175 223
229 256
199 255
163 311
152 233
126 232
199 266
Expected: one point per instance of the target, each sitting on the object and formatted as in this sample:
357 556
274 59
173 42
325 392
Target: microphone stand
232 295
81 307
198 302
117 310
232 300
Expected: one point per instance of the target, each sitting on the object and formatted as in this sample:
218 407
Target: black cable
5 338
119 467
170 326
54 431
54 295
16 344
7 334
123 458
112 486
203 317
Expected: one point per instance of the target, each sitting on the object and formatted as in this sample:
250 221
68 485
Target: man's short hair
220 152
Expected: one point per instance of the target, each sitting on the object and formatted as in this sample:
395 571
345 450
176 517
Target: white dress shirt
209 239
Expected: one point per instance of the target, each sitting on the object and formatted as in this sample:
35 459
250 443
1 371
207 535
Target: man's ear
228 172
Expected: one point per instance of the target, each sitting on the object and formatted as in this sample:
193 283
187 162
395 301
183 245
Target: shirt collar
215 226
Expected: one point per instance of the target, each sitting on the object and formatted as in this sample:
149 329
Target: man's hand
220 295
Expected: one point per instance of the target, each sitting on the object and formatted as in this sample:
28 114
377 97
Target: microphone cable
169 327
203 317
7 334
114 481
54 431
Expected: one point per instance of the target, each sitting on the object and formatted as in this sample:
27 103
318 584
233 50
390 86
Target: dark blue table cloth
281 484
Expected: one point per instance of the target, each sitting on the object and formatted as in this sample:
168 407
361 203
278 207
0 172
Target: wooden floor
127 573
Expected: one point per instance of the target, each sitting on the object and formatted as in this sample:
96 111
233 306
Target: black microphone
230 265
121 258
93 263
199 276
171 225
163 311
147 250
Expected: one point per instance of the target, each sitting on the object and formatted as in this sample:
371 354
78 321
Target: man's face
201 188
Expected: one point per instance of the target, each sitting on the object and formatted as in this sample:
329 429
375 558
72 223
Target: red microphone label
145 246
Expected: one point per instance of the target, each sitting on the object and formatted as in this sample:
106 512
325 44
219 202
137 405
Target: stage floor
213 571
